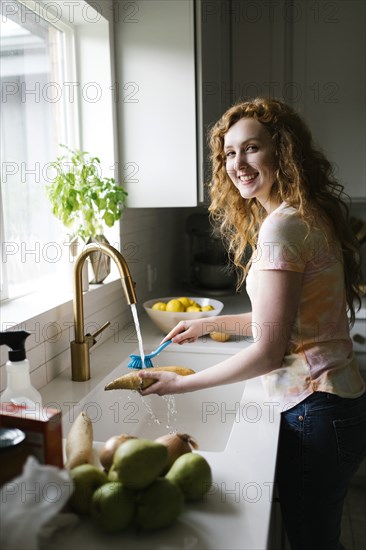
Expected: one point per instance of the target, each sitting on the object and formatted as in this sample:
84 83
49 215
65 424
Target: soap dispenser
19 389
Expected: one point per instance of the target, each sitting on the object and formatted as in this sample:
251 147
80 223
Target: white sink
207 415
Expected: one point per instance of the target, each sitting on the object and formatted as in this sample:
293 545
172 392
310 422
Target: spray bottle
19 388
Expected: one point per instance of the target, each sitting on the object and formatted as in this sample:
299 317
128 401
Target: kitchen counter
236 512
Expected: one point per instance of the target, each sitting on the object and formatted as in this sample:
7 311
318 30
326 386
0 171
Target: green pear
112 474
159 505
87 478
113 507
138 462
192 473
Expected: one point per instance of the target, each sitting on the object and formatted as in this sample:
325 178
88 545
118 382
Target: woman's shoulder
286 226
285 213
284 222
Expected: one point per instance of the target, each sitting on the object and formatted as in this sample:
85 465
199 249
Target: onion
106 453
177 444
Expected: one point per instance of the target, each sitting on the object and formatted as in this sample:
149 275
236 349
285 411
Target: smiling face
250 161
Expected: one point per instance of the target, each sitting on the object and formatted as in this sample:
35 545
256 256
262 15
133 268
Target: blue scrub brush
136 362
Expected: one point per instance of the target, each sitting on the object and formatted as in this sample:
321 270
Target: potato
220 336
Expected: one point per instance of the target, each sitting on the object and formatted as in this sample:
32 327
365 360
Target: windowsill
27 308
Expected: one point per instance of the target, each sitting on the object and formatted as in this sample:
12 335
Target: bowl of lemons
167 312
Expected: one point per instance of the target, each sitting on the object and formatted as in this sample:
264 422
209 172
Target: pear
192 473
112 507
112 474
106 453
137 462
87 478
159 505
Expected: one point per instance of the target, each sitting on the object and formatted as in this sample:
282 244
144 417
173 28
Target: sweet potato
132 380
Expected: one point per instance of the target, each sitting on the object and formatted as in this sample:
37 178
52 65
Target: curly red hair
304 179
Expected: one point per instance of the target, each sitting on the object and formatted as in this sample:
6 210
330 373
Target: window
35 118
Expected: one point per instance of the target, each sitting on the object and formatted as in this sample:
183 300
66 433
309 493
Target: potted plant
85 201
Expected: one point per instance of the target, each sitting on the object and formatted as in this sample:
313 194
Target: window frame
41 304
70 64
71 111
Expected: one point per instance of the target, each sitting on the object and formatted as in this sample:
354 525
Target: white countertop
236 512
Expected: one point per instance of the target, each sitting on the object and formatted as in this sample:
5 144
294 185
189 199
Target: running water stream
138 332
169 399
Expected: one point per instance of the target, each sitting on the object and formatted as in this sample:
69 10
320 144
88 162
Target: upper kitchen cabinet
329 81
261 49
155 66
311 54
167 96
214 91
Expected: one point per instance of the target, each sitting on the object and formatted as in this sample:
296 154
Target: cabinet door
214 89
329 60
156 93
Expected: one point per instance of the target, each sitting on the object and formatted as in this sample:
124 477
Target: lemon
175 305
193 308
207 308
160 306
186 301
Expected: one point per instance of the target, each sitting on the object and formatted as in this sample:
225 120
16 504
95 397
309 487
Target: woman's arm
189 331
273 316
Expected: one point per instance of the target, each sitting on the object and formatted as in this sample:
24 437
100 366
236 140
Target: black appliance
209 266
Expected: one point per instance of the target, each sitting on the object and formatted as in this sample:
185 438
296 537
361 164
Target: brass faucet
80 360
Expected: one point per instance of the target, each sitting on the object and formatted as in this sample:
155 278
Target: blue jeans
322 442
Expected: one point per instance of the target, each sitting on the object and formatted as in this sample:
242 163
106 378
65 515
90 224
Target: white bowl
166 320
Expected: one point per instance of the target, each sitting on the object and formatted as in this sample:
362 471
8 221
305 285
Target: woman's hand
186 331
166 383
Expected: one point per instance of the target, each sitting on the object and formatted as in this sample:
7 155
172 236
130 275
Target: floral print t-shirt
319 355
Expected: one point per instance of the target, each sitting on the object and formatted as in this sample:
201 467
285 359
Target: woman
272 190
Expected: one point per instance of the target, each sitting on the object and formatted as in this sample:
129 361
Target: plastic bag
31 503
